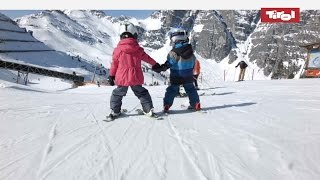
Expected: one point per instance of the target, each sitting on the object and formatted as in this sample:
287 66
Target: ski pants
241 75
139 91
173 90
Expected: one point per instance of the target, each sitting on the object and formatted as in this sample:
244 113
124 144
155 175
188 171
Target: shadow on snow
183 111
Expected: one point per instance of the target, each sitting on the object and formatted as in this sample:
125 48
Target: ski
166 113
193 110
154 115
205 94
201 94
110 117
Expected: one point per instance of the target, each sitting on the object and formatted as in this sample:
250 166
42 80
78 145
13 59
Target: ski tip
108 120
202 111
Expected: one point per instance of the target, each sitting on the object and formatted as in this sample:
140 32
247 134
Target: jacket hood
129 45
185 51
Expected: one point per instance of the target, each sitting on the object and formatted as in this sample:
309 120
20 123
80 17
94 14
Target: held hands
111 80
156 68
164 67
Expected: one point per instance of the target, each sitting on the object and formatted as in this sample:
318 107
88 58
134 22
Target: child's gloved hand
156 68
111 80
164 67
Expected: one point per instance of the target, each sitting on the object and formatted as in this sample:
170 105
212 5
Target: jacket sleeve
238 64
146 58
114 63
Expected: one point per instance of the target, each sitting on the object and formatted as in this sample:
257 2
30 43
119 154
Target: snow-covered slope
86 34
18 45
79 40
252 130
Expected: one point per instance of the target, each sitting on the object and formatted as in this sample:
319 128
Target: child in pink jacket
126 71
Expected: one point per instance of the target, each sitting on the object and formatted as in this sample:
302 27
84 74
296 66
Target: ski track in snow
132 163
185 149
240 137
49 147
107 147
71 152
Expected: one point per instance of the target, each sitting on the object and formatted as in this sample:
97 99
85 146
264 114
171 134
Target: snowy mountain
74 32
220 38
67 45
252 130
19 45
234 35
224 36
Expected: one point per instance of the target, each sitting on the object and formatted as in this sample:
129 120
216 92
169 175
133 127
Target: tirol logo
274 15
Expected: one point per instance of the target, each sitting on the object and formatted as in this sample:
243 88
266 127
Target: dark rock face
220 32
275 45
275 48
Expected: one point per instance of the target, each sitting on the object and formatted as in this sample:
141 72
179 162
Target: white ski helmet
127 28
178 34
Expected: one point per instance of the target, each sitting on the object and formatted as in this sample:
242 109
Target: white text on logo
281 15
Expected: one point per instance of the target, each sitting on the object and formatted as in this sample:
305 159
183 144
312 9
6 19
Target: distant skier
243 66
126 71
196 72
181 61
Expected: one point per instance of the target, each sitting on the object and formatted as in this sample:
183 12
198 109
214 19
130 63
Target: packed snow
249 130
252 130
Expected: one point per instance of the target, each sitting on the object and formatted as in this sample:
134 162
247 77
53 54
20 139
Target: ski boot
197 107
113 115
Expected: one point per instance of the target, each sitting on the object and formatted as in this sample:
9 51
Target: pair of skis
156 116
110 117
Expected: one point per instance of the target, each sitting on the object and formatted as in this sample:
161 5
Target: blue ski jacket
181 61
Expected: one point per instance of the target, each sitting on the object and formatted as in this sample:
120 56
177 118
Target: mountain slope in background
221 38
67 45
223 35
18 45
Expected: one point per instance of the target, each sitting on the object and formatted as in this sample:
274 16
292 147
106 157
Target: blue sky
134 13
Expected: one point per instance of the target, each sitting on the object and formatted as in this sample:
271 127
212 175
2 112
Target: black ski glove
165 66
156 68
111 80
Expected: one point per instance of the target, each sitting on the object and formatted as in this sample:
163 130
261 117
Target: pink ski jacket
126 63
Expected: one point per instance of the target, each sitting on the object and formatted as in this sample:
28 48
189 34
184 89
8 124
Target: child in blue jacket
181 61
